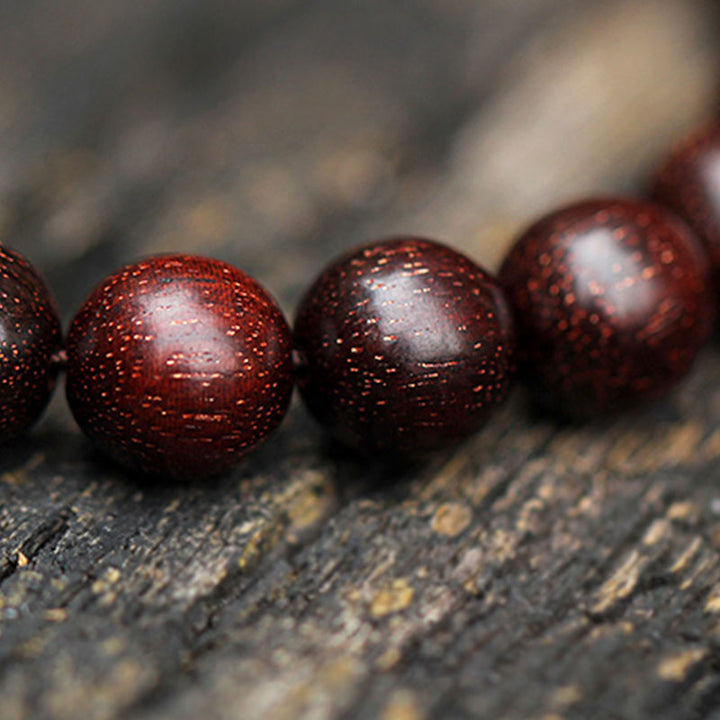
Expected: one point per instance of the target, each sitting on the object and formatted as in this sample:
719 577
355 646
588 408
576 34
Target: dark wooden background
540 571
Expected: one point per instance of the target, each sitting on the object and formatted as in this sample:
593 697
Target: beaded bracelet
179 365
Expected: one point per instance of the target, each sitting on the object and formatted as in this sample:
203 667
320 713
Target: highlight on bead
612 302
30 339
179 365
404 345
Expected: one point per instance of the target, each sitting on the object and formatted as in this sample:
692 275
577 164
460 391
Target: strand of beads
179 365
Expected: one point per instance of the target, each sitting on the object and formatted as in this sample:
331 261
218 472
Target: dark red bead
404 345
30 338
611 299
179 365
688 182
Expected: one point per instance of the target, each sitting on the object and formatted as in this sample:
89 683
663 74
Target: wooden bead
179 365
611 299
404 345
688 182
30 338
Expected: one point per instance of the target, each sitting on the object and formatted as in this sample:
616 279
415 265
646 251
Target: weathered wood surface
540 571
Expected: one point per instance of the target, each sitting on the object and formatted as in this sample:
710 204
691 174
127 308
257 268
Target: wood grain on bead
404 345
30 338
179 365
612 304
688 182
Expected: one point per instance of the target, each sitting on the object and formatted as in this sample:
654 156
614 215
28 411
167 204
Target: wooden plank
540 570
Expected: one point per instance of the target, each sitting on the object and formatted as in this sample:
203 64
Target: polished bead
404 345
688 182
30 339
179 365
612 303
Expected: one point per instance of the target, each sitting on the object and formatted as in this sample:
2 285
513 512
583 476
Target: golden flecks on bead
179 365
407 346
612 304
30 339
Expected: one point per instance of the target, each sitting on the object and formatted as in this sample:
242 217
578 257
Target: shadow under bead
30 338
404 345
612 302
179 365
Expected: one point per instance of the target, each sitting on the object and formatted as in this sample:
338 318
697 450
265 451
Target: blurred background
274 133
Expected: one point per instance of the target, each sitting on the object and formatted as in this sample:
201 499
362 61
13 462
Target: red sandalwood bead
404 345
30 337
179 365
612 303
688 182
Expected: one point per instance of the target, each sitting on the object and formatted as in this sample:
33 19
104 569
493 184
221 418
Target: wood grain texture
540 571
